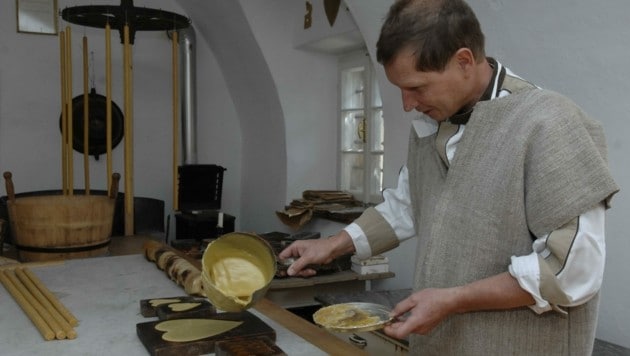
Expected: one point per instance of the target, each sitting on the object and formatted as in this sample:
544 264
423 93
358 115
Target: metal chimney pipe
188 94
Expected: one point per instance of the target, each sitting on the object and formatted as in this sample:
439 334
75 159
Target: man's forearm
494 293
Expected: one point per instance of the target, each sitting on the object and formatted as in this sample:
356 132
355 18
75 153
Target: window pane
377 137
353 131
376 93
352 172
376 175
352 87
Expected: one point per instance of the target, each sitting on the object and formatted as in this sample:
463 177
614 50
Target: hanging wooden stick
86 119
129 223
108 101
175 40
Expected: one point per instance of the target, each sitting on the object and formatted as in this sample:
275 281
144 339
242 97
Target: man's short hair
433 29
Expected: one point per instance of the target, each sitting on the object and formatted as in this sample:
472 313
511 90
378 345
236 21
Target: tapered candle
129 208
37 319
64 112
86 119
175 73
70 125
108 101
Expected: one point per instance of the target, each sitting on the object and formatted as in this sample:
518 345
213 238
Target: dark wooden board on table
252 326
260 346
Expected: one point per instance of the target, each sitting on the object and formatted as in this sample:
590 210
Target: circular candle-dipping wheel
137 18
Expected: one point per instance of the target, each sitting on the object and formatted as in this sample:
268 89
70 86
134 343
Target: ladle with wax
237 270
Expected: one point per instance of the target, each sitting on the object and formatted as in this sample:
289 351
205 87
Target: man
507 199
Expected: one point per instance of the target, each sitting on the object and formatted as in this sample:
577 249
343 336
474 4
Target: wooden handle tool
113 191
8 182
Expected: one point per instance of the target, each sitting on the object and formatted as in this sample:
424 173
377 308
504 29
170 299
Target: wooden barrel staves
52 227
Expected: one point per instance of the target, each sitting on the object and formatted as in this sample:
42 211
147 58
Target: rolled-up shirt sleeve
395 210
566 266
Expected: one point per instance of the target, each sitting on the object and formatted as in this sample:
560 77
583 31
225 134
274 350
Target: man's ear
465 58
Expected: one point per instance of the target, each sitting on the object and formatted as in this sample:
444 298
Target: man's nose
409 103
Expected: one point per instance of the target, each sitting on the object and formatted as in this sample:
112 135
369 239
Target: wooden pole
69 150
108 101
175 40
86 118
129 222
64 113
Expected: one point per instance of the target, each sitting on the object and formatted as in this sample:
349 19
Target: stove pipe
188 94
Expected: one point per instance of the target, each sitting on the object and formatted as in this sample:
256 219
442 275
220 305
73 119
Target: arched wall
255 99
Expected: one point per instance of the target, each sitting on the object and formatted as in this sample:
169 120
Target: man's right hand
316 252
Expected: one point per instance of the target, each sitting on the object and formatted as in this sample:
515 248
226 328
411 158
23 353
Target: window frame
372 104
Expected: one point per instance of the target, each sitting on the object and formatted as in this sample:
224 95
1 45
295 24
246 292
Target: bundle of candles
67 122
50 316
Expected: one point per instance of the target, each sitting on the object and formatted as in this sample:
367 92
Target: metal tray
353 317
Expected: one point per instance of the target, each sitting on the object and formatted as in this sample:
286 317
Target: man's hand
315 252
426 309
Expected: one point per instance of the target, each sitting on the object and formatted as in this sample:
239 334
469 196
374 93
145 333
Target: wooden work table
104 294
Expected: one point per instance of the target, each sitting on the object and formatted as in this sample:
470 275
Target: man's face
438 95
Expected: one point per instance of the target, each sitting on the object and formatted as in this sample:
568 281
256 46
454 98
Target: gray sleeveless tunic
527 163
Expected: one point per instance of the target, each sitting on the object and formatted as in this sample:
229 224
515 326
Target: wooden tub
52 227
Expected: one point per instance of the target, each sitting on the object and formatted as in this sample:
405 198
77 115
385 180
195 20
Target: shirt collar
491 92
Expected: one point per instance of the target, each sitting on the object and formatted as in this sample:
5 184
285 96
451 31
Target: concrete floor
603 348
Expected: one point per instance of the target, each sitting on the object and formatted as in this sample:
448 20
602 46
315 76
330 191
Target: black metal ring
62 249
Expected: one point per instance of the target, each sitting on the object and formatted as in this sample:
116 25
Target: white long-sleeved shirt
582 256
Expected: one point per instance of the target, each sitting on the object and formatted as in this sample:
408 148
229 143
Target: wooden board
164 313
342 276
312 333
259 346
252 326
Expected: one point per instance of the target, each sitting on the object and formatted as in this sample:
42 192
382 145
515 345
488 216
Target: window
362 129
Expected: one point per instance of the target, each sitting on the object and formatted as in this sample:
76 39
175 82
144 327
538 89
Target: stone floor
603 348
